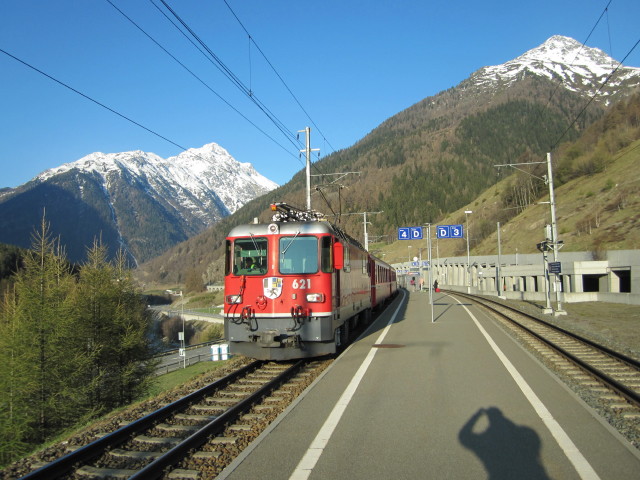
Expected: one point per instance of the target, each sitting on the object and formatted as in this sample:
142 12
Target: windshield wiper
291 242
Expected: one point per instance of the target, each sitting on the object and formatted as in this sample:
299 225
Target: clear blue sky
351 64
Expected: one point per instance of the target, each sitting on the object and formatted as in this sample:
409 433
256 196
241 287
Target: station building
614 278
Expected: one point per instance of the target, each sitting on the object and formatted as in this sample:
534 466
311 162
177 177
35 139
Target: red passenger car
295 287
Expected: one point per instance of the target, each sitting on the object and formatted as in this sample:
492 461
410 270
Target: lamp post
466 215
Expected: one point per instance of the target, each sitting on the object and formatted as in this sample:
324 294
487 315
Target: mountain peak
580 68
567 51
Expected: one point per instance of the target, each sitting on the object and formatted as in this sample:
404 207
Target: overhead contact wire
252 40
207 86
92 99
231 76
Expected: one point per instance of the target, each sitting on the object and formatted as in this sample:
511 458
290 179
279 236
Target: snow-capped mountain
564 60
201 180
134 200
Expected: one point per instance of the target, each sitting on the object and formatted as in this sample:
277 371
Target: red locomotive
295 288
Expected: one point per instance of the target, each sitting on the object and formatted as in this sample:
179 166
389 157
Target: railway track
606 379
195 436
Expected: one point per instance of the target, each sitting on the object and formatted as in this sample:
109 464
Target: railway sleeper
622 406
201 457
235 395
182 430
253 416
274 399
631 415
240 427
194 419
207 410
157 441
221 401
129 459
223 440
87 471
184 474
611 397
262 408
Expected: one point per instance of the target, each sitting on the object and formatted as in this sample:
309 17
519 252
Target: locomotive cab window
326 254
298 255
250 256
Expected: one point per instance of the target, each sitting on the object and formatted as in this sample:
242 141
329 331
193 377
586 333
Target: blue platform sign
450 231
410 233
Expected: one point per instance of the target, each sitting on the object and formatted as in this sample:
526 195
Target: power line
252 40
215 60
202 48
59 82
92 99
229 73
207 86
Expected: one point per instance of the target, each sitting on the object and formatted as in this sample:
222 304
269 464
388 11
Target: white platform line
582 466
311 457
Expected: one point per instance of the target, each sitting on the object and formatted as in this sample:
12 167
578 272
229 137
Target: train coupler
275 339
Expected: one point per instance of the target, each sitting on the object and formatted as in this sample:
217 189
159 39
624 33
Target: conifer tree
42 289
113 324
14 424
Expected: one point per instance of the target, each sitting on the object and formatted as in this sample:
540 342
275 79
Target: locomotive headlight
315 297
231 299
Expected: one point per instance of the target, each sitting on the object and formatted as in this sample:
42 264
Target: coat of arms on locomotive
272 287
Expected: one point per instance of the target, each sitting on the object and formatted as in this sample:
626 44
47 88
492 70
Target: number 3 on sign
301 284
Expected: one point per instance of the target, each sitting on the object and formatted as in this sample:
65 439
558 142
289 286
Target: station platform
451 397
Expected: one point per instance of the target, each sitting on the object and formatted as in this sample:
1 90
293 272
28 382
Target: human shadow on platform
507 450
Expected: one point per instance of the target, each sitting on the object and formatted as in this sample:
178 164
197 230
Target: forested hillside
597 186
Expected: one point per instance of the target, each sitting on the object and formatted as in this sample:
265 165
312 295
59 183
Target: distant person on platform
435 285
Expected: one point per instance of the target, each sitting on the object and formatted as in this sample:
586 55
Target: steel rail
157 468
622 389
94 449
612 353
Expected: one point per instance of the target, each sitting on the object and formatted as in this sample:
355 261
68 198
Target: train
298 286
